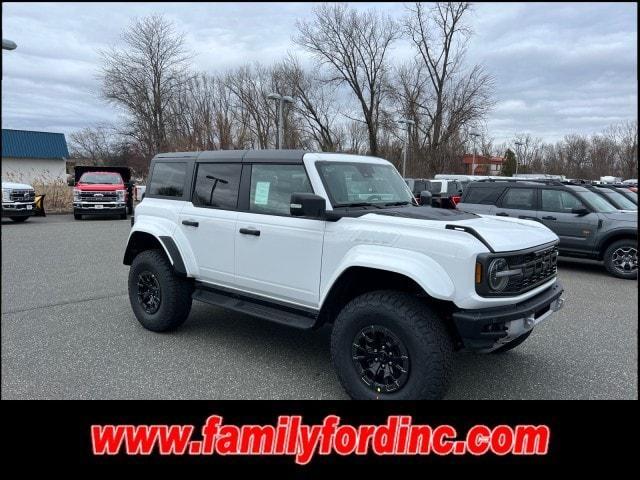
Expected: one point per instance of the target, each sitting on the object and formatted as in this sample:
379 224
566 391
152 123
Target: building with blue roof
29 156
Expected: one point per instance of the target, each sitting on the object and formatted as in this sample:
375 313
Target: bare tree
355 47
316 102
96 145
144 77
452 97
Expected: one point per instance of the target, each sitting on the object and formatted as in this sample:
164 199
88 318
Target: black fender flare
141 241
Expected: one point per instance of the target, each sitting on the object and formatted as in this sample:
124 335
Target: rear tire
621 259
151 275
19 219
513 343
424 346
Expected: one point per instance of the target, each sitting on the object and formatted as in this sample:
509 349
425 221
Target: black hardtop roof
526 183
232 156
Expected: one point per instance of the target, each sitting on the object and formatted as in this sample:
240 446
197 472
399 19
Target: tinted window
454 188
168 179
519 199
483 195
559 201
217 185
272 186
434 187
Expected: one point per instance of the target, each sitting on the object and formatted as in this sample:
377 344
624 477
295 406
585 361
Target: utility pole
473 165
408 123
518 145
281 100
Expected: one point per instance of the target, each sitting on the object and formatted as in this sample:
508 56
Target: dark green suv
587 224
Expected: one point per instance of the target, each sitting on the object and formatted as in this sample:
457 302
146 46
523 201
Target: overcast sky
559 68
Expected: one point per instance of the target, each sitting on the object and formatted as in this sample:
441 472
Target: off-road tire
608 258
175 303
419 328
19 219
513 343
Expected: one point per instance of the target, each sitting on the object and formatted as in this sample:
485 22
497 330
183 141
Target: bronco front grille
22 196
537 267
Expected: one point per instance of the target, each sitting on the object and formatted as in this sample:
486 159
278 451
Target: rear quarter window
168 179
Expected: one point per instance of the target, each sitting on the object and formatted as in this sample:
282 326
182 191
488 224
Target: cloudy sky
558 68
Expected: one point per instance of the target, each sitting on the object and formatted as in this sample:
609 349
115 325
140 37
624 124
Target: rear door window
167 179
483 195
519 199
217 185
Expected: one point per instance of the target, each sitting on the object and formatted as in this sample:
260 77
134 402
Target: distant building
29 156
483 165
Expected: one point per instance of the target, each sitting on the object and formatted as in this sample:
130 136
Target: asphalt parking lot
68 332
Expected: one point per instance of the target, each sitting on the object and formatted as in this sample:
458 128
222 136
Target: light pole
408 123
281 99
518 145
473 164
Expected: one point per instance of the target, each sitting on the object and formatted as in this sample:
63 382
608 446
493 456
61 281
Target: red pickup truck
102 191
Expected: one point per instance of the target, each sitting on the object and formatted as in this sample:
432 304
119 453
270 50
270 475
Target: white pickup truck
307 239
17 201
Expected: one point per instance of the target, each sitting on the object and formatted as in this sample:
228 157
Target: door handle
502 214
549 218
250 231
525 217
190 223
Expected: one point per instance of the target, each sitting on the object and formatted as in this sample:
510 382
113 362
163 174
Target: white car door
277 255
209 221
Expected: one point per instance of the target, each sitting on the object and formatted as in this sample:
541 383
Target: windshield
598 203
621 201
101 178
360 184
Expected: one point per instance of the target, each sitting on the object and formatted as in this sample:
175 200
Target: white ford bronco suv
307 239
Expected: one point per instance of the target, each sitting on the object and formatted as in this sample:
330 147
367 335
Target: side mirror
72 182
580 211
425 198
307 205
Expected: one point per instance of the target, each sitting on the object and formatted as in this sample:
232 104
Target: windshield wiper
356 204
392 204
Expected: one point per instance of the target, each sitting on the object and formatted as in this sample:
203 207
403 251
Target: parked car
444 193
587 224
614 197
102 191
625 190
307 239
18 201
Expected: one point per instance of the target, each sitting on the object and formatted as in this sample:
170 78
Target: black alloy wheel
149 293
381 359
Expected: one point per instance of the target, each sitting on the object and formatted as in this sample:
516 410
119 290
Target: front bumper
18 209
101 208
489 328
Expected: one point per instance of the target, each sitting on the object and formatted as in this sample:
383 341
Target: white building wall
28 170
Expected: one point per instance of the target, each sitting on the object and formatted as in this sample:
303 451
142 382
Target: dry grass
59 195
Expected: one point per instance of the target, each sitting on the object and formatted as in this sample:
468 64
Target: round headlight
497 283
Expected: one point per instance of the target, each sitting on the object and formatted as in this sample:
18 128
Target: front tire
77 216
19 219
160 299
416 361
621 259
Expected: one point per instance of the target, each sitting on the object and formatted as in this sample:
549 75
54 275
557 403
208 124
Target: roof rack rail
546 181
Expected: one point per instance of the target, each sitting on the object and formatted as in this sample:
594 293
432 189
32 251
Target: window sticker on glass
262 193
